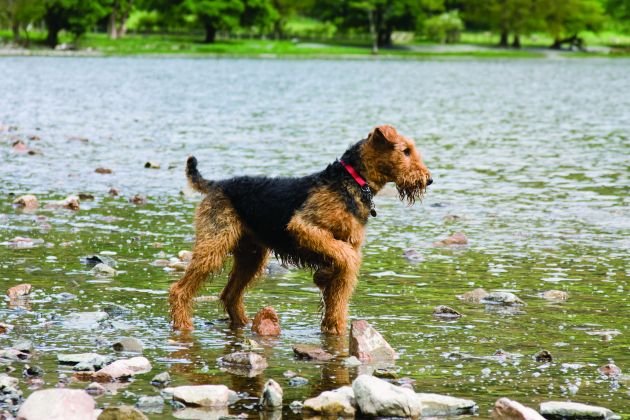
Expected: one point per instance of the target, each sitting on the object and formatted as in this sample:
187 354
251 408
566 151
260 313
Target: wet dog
316 221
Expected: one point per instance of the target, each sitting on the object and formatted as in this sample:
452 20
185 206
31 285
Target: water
531 155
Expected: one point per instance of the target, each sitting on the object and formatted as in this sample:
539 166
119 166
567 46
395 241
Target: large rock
27 202
572 410
367 344
310 352
378 398
58 404
444 405
123 369
216 396
271 398
506 409
332 404
123 412
266 322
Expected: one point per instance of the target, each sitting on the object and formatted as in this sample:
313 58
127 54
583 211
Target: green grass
155 44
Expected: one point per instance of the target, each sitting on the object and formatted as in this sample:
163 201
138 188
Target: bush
445 28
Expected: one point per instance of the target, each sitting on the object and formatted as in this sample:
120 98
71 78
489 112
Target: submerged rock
128 344
103 270
93 359
446 312
84 320
444 405
103 171
610 370
474 296
271 398
151 404
502 298
554 295
297 381
58 404
95 389
217 396
573 410
93 260
138 199
26 202
332 404
161 379
122 412
266 322
310 352
19 291
506 409
122 369
244 363
367 344
378 398
456 239
413 256
543 356
152 165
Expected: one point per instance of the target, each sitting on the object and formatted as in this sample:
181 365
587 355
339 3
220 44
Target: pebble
297 381
554 295
434 405
103 270
19 291
310 352
456 239
95 389
443 311
161 379
103 171
266 322
243 363
502 298
138 199
543 356
215 396
152 165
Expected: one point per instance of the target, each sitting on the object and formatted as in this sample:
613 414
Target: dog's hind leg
249 262
218 231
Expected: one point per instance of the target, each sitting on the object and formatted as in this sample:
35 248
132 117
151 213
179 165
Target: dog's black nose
430 181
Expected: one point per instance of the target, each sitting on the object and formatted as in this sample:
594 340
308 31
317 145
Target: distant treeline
438 20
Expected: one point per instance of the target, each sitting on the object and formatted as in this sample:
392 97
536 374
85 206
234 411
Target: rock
178 265
13 354
276 269
378 398
138 199
297 381
128 344
23 345
474 296
451 218
122 412
93 260
161 379
249 345
8 383
506 409
554 295
386 373
572 410
331 404
456 239
244 363
434 405
71 202
217 396
351 361
266 322
153 405
103 270
115 310
367 344
413 256
92 359
543 356
103 171
114 192
84 320
95 389
33 371
26 202
296 406
5 328
443 311
310 352
271 398
152 165
185 256
21 242
58 404
120 368
19 291
86 196
611 370
502 298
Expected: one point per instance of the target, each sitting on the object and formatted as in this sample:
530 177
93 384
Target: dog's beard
411 192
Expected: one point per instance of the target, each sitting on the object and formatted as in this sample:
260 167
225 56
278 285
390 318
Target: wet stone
543 356
378 398
115 310
103 171
95 389
444 405
310 352
23 345
506 409
502 298
33 371
96 361
124 412
152 165
103 270
26 202
297 381
332 404
243 363
446 312
386 373
216 396
138 199
58 403
92 260
558 295
456 239
128 344
151 404
266 322
474 296
610 370
271 398
161 379
367 344
84 320
20 291
573 410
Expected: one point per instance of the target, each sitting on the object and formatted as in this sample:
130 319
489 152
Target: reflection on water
529 161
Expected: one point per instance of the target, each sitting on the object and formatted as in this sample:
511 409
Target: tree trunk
52 39
111 26
15 28
503 42
385 37
211 33
516 43
373 34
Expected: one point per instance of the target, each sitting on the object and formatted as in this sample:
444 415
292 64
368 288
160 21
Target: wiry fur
315 221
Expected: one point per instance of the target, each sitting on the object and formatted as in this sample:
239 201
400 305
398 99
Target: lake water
531 156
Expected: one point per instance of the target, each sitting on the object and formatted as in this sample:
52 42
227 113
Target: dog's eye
407 151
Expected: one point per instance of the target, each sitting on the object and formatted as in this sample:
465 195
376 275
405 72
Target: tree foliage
75 16
216 15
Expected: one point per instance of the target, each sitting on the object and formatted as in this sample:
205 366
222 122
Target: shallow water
531 155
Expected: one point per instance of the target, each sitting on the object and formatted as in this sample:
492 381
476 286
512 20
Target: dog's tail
196 181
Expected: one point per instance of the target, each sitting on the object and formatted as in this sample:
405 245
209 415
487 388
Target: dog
316 221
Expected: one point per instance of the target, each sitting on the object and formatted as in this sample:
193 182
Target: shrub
445 28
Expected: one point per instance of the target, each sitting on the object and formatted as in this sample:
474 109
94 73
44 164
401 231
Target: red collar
362 182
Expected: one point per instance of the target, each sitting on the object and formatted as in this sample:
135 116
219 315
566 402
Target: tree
76 16
565 19
619 9
216 15
116 24
260 14
19 14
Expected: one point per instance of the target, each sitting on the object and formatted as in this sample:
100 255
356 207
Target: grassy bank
473 45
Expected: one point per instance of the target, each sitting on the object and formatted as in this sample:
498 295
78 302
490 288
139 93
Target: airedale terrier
316 221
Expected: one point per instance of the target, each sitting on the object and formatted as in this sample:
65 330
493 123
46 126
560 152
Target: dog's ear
384 135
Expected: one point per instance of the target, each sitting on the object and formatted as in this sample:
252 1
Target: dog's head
391 157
